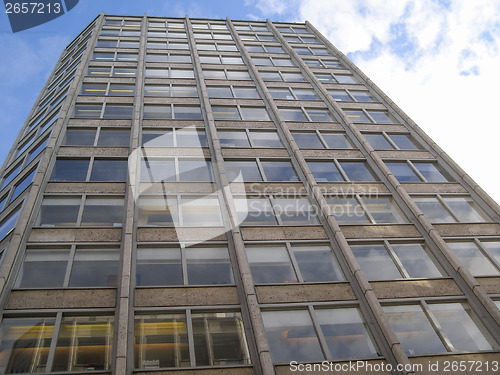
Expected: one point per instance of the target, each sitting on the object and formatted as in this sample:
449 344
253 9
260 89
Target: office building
236 197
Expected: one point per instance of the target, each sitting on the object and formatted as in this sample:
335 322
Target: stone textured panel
415 288
188 296
61 299
283 233
304 293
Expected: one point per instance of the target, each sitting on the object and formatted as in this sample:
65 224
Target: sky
438 60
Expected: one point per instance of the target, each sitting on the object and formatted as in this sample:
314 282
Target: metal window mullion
250 140
306 114
396 260
273 210
261 169
97 134
291 256
69 266
321 139
437 327
389 139
89 168
443 203
341 170
368 115
486 253
178 198
351 96
83 200
190 335
176 168
319 333
53 342
416 171
172 112
183 252
365 208
103 107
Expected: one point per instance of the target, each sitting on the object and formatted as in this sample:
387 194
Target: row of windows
115 43
64 266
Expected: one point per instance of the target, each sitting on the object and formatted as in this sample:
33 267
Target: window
292 335
63 211
175 169
167 58
351 95
151 72
272 61
430 328
340 171
439 209
27 343
172 112
111 111
369 117
249 138
361 210
384 141
261 170
186 210
164 266
175 137
100 170
75 266
9 223
237 113
276 263
230 92
275 211
392 260
293 94
417 172
307 114
321 139
217 338
480 258
103 137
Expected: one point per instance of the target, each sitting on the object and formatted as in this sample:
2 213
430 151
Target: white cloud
438 60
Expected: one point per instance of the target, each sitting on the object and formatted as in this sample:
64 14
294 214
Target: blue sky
438 60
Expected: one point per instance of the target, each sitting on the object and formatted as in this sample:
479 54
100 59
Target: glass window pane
413 330
291 336
270 76
248 169
238 75
324 171
25 344
195 170
191 138
208 266
403 172
96 89
43 268
157 170
254 114
181 73
347 211
254 211
403 141
103 212
214 74
156 90
375 262
284 94
305 94
95 268
124 72
246 92
493 248
431 172
415 260
345 333
378 142
466 210
472 258
114 138
158 138
293 114
87 110
90 337
109 170
336 141
219 339
270 264
316 263
345 79
59 212
161 341
294 211
219 92
357 171
279 171
457 322
234 138
433 210
118 111
319 115
121 90
156 73
184 91
357 117
307 140
158 267
225 113
383 210
157 112
362 96
158 211
187 112
201 211
381 117
293 77
70 170
265 139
